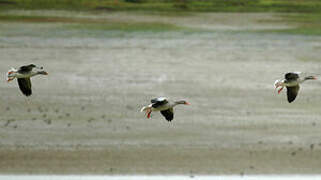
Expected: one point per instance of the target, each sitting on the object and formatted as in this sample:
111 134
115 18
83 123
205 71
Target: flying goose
164 106
292 83
23 75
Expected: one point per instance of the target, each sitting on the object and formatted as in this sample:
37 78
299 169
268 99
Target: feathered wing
26 69
25 86
292 92
157 102
168 114
291 76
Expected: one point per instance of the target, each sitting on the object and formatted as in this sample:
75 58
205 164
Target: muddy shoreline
84 117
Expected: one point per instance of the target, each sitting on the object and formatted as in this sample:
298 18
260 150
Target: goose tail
10 73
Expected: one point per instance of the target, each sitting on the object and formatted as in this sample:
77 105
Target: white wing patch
161 99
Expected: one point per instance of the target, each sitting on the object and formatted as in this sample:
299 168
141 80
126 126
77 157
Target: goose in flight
163 105
292 81
23 75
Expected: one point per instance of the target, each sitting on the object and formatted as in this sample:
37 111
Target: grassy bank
169 5
304 23
300 23
91 24
305 15
308 24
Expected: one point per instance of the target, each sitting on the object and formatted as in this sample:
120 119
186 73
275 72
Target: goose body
164 106
23 75
292 81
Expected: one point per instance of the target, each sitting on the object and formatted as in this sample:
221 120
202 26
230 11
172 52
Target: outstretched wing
158 102
25 86
168 114
26 69
292 92
291 76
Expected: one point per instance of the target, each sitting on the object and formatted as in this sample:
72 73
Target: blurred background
107 58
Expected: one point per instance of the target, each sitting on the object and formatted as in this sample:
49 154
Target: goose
23 75
292 81
163 105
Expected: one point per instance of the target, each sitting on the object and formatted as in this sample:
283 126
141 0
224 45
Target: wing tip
27 93
291 99
25 86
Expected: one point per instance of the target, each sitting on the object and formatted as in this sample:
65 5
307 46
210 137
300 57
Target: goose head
38 70
310 78
42 72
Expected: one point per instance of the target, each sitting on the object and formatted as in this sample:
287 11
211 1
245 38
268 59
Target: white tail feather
10 74
12 70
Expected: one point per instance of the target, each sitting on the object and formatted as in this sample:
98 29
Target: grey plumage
25 86
168 114
26 69
157 102
23 75
292 92
164 106
292 81
291 76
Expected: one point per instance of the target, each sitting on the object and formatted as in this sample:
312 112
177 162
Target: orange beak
187 103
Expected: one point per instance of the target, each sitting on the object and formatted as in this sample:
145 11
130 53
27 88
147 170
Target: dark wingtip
291 100
27 94
169 119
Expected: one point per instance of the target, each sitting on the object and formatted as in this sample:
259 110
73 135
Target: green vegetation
308 24
128 27
305 14
305 23
92 27
306 6
301 31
